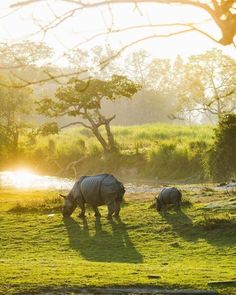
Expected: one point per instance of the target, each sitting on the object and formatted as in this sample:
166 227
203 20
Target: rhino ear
62 196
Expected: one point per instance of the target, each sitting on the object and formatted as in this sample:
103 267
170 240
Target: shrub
167 161
222 156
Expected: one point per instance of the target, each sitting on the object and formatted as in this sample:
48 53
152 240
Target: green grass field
40 251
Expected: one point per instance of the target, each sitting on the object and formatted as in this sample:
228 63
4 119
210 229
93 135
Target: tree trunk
110 137
15 140
99 137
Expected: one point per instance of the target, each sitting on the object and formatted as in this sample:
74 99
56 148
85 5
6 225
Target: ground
41 252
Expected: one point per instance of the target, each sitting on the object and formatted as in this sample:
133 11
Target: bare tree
208 85
222 12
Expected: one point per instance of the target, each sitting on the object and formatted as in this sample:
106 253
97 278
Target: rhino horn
62 196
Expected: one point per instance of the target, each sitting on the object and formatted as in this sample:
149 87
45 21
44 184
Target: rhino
97 190
169 195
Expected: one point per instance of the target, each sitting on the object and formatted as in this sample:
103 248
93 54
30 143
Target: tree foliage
15 105
208 84
83 99
23 53
222 160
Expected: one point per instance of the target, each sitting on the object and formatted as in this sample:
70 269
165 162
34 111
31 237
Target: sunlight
20 178
26 179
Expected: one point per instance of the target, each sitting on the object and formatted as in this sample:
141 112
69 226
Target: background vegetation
135 89
157 151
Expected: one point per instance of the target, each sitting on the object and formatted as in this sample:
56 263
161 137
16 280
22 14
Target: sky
77 30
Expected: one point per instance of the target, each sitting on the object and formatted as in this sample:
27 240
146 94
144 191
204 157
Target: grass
165 151
41 251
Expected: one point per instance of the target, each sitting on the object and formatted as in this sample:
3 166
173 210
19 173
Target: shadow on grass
220 232
103 246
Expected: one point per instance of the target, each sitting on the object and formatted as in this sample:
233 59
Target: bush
167 161
222 156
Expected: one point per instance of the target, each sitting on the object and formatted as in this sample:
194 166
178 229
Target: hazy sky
25 23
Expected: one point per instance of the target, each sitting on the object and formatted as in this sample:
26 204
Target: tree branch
76 123
227 24
108 120
24 3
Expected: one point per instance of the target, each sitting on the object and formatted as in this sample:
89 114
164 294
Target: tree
23 53
91 61
83 99
15 105
220 12
25 61
136 66
208 85
222 159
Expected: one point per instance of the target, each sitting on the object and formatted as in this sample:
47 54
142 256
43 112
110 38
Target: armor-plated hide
167 196
96 190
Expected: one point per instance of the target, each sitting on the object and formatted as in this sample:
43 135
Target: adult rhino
95 190
169 195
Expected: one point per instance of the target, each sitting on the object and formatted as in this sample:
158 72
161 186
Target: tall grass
152 150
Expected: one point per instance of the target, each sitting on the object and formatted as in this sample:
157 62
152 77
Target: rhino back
110 189
90 189
170 195
164 195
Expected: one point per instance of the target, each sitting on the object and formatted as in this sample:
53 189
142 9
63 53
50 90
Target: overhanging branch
220 12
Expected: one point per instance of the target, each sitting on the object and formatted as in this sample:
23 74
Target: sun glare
21 178
26 179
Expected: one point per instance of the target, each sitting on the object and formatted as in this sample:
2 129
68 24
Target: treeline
38 100
156 151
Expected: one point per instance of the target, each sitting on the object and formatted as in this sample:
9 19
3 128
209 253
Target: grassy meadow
42 252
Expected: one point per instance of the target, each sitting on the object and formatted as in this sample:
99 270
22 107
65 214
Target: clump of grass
210 221
186 202
153 205
34 206
208 189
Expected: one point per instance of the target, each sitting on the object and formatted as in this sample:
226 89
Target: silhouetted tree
83 99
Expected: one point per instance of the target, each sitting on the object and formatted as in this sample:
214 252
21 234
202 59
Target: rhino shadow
103 245
183 226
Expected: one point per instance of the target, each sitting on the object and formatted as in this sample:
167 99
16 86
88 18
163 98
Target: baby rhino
169 195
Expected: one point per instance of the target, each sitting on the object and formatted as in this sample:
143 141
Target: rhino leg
177 206
111 210
163 208
117 208
96 211
82 207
